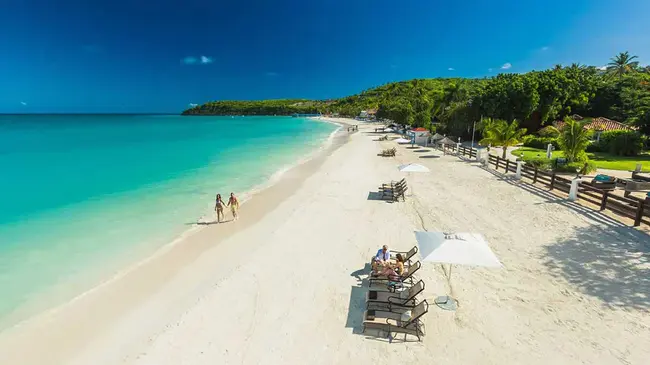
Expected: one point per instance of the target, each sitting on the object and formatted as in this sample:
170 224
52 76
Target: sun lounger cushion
602 178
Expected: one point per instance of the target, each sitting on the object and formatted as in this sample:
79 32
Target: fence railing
630 207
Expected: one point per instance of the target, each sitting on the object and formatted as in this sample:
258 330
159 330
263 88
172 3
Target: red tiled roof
420 129
601 124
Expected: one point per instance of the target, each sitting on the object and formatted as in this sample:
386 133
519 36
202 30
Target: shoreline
39 325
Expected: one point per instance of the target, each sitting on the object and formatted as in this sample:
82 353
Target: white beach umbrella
403 140
455 249
389 130
413 167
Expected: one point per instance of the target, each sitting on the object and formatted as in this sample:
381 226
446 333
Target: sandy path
576 287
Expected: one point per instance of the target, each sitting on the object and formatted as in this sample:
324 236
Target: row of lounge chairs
392 304
394 190
389 152
383 138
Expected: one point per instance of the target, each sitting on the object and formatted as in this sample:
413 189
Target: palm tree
498 132
622 64
574 140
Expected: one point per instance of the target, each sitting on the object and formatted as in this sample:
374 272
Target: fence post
553 180
518 170
603 202
507 166
457 149
535 175
496 167
573 193
639 213
478 155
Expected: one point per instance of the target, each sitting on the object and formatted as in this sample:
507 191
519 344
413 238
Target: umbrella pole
447 302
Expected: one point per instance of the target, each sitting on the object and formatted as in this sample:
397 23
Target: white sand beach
285 283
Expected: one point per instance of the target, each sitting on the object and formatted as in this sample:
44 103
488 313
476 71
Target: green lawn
601 160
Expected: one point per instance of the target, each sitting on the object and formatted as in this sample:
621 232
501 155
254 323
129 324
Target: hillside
536 98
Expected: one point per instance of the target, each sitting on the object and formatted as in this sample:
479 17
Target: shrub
548 131
595 147
540 142
574 167
622 143
541 163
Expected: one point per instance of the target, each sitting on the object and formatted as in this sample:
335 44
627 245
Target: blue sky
146 56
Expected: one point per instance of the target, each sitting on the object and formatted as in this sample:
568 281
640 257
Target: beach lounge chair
407 255
604 182
407 278
386 300
394 322
393 184
389 152
394 194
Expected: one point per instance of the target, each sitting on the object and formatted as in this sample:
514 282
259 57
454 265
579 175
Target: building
599 125
421 136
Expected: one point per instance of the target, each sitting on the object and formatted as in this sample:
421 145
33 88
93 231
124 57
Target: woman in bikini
233 203
218 207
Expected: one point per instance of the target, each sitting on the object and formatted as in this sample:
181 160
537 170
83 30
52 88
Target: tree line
620 91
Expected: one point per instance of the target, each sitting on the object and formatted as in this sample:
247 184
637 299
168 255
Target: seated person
381 258
393 271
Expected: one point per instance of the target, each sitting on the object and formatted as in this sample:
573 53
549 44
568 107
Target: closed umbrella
455 249
403 140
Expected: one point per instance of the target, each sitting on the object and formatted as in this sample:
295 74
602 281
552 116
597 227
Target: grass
600 159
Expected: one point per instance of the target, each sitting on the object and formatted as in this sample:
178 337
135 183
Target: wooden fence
630 207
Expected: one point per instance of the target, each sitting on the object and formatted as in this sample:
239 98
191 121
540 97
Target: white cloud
203 60
272 74
451 69
506 66
545 48
603 68
189 60
489 70
23 103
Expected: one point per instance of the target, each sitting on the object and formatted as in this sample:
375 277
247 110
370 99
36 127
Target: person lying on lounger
393 271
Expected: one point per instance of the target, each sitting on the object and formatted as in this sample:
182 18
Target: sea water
82 192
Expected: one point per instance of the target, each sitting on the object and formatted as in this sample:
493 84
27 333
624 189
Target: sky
139 56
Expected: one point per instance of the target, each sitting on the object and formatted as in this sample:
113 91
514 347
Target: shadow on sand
610 264
429 156
357 305
378 196
609 261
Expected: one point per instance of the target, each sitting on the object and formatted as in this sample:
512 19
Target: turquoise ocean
82 195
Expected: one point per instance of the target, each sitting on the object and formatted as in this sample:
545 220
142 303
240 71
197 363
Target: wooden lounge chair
407 278
386 300
391 322
406 255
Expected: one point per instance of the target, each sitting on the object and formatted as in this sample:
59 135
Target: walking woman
218 207
233 203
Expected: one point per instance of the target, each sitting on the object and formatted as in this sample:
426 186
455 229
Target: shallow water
82 193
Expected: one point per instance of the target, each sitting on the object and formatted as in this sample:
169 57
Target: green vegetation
536 99
573 140
256 107
600 160
500 133
622 143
